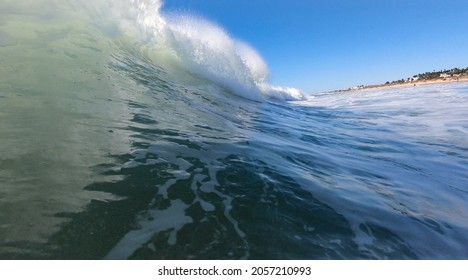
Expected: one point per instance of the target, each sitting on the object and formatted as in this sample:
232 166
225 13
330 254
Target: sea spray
207 50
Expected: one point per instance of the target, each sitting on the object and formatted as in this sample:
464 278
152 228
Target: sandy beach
410 84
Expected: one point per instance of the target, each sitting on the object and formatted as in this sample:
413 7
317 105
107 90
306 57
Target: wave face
130 133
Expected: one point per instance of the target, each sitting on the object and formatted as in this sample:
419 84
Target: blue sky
318 45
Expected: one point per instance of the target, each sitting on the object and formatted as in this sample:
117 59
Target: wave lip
206 50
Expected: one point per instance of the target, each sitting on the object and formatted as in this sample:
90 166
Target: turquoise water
124 133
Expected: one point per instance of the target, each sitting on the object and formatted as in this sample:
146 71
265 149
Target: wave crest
207 50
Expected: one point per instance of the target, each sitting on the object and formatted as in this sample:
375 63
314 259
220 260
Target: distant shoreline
407 84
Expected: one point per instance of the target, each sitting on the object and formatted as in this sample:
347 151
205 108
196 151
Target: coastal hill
444 76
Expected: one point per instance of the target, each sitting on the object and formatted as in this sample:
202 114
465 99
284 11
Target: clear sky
319 45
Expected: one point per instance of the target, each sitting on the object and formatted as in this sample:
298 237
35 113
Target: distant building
444 75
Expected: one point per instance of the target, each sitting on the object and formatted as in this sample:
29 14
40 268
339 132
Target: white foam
205 49
282 93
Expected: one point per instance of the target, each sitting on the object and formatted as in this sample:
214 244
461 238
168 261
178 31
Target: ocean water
131 132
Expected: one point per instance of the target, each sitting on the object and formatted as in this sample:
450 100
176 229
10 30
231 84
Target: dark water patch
143 119
23 250
92 233
280 219
152 133
208 127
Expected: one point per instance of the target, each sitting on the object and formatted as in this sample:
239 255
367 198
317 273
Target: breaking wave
183 42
